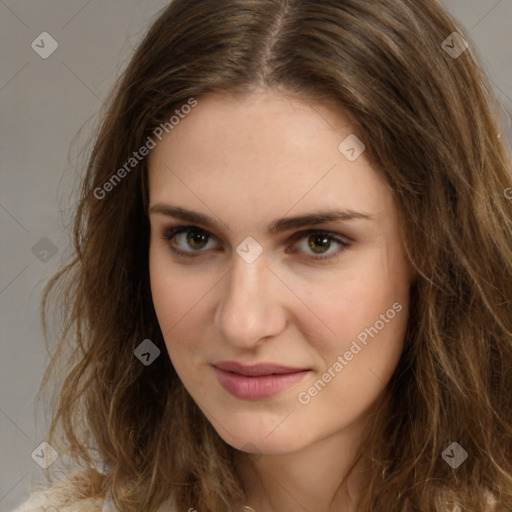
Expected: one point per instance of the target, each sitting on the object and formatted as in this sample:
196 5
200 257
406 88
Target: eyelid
296 234
344 241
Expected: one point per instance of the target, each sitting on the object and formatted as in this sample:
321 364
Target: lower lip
257 388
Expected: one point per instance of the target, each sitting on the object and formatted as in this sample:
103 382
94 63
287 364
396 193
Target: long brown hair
432 126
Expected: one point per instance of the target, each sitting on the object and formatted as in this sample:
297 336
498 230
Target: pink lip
256 382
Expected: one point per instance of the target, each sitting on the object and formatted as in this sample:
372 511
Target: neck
320 477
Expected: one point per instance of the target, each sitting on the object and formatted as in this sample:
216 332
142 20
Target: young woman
292 287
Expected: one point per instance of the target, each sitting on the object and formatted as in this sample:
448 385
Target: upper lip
256 369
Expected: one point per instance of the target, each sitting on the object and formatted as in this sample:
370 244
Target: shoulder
49 501
35 503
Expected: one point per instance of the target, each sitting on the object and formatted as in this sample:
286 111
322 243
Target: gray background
44 103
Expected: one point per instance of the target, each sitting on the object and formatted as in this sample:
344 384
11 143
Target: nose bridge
247 310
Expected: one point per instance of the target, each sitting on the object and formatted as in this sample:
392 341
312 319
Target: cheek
162 292
358 300
174 291
370 307
169 305
176 296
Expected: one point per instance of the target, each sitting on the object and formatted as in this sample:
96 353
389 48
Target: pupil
195 237
320 240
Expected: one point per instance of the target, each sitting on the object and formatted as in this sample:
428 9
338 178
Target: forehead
264 152
269 119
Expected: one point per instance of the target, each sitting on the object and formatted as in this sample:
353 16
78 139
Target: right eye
192 236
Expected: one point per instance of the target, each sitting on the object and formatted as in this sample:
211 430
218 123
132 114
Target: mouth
256 382
256 370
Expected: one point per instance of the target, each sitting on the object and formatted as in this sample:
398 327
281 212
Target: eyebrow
277 226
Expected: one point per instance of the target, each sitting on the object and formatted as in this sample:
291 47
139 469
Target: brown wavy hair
432 126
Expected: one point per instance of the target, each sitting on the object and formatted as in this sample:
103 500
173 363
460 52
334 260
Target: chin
262 443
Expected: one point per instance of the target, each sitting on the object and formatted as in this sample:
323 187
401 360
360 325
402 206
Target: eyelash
170 233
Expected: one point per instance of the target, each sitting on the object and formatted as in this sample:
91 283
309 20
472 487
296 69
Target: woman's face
278 347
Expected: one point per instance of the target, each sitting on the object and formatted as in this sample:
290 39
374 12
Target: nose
250 309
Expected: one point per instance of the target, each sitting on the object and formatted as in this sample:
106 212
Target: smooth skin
245 162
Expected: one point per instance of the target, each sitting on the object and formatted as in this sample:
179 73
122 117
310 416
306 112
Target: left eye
197 239
322 240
